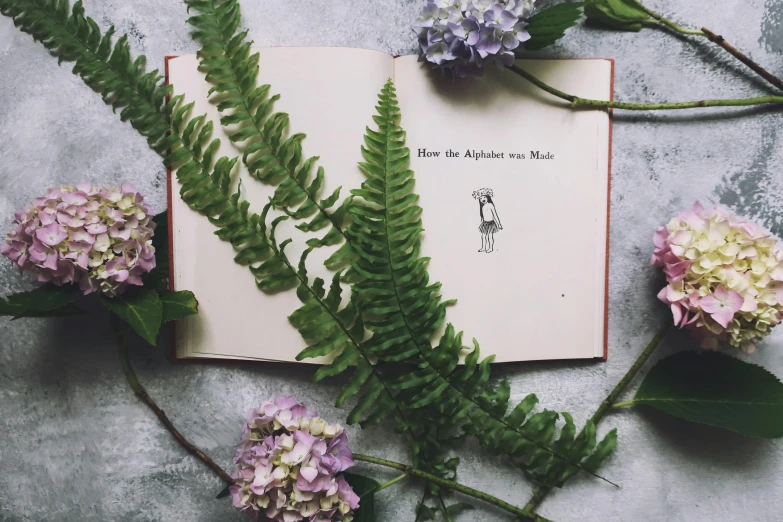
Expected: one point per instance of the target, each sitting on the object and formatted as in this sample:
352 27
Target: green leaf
45 301
226 491
161 239
460 507
424 512
158 277
141 309
715 389
177 305
549 25
624 15
365 488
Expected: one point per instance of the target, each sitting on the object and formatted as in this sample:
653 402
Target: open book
514 188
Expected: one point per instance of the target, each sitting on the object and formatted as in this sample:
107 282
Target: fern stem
717 40
141 393
540 493
577 102
456 486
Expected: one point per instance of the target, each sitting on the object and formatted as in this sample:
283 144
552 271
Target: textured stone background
77 446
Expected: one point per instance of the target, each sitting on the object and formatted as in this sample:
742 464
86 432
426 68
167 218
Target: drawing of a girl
490 222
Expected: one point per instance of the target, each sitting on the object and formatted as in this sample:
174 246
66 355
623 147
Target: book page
330 94
528 264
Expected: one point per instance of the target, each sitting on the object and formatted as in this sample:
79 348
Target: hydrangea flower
461 36
288 465
725 277
98 238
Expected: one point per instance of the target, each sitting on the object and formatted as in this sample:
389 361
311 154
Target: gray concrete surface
75 445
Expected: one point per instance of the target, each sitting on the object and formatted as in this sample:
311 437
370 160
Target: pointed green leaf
549 25
365 488
45 301
715 389
624 15
177 305
141 309
48 300
458 508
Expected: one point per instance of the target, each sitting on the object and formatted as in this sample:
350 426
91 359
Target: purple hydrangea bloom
98 238
461 36
287 466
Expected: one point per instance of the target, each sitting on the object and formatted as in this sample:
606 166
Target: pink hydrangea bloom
725 277
288 465
98 238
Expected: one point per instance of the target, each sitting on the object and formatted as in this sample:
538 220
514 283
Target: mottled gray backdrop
75 445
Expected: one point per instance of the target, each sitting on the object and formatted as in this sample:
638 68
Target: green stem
443 508
577 102
540 493
623 404
409 470
391 482
668 23
142 394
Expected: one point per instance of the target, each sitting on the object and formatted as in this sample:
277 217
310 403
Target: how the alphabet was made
479 155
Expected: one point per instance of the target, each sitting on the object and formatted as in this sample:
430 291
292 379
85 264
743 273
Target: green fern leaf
226 58
403 311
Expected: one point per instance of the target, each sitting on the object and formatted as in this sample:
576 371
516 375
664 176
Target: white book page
541 293
330 94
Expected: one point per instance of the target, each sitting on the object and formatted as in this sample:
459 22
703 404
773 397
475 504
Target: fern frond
147 104
106 67
403 311
226 59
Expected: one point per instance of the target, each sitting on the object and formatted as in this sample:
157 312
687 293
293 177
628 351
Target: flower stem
142 394
577 102
717 40
391 482
665 21
540 493
409 470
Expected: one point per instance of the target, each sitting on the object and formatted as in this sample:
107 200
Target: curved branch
142 394
739 55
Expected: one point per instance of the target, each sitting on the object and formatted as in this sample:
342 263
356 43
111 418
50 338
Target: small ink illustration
490 222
